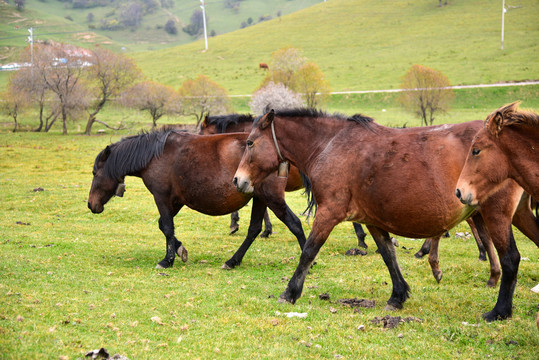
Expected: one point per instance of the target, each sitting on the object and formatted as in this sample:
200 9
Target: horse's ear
105 154
205 121
267 119
495 123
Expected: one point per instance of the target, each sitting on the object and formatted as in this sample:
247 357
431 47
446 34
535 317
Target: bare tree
426 92
13 102
156 98
60 68
274 96
203 96
109 75
28 82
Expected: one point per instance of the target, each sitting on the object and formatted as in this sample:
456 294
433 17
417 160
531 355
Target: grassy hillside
59 21
365 44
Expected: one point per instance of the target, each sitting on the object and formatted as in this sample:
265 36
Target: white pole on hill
503 18
204 20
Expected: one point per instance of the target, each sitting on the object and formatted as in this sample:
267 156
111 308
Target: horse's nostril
235 181
89 206
458 194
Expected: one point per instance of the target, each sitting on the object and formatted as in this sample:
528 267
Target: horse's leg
360 233
478 240
255 227
166 225
425 249
287 216
433 258
524 220
268 228
497 216
401 290
480 232
234 218
323 223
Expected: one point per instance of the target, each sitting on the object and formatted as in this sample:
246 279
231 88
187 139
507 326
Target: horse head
104 186
261 156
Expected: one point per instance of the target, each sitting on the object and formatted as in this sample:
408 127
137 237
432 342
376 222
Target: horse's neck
522 148
305 139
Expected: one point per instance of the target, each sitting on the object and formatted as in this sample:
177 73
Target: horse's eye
249 143
475 152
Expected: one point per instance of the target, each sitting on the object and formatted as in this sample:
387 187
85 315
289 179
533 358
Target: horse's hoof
491 283
482 257
266 234
227 267
494 316
233 229
282 300
159 267
362 244
419 254
390 307
182 253
438 276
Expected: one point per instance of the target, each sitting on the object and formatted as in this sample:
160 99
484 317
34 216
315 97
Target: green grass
366 45
470 104
50 21
71 281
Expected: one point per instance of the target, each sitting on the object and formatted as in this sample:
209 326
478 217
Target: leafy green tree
289 67
426 92
311 83
203 96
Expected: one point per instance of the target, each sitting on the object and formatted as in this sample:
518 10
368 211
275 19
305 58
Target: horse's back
199 170
412 171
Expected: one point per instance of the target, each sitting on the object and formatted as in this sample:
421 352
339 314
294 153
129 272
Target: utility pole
31 41
503 18
203 7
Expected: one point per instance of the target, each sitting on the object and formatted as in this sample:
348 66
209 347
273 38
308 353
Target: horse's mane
510 115
221 122
133 153
365 121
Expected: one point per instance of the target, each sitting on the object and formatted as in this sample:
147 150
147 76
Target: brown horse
393 180
182 169
506 147
231 123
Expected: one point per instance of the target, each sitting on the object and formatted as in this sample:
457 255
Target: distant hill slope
80 22
368 44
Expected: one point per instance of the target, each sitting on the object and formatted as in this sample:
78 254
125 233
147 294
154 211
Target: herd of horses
399 181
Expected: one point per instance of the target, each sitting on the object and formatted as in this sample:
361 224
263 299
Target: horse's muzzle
98 209
466 200
242 185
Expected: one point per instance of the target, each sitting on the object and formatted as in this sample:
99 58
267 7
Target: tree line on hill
64 82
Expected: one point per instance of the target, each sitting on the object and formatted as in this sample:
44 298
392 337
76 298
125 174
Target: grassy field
58 21
366 45
470 104
71 281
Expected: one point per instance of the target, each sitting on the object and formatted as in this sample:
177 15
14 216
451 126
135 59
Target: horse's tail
311 202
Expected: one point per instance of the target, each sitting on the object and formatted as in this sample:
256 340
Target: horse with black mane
231 123
182 169
392 180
